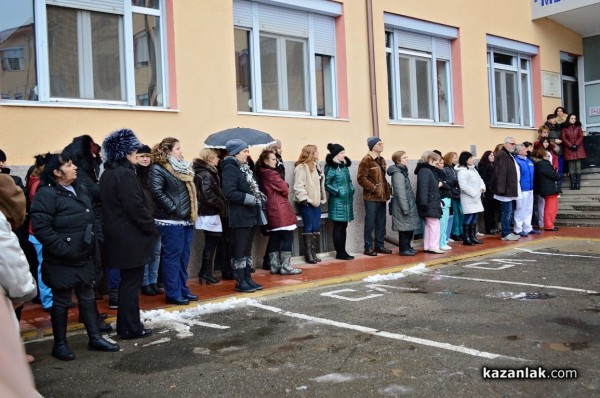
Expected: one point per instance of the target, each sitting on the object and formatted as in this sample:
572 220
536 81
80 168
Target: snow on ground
395 275
182 321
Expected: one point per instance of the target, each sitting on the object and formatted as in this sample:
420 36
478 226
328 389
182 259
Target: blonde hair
307 155
397 156
161 151
207 154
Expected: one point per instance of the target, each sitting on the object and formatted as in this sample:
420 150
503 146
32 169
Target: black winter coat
211 200
170 194
429 201
129 228
235 188
67 226
486 171
547 180
451 178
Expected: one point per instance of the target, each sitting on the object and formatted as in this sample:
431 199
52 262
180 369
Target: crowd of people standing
91 204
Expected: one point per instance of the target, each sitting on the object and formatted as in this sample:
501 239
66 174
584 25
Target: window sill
428 124
37 104
293 116
499 126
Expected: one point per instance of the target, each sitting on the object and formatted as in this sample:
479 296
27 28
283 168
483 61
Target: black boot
316 236
466 234
113 299
206 269
60 349
147 290
473 231
103 326
239 266
248 273
96 342
309 255
157 289
578 181
572 178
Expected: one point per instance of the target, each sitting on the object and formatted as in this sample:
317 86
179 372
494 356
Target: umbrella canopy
249 136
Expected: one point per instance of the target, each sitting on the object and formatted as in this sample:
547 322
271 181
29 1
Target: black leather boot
239 266
60 349
473 231
147 290
96 342
578 181
113 299
205 274
316 236
103 326
309 255
467 235
248 274
572 178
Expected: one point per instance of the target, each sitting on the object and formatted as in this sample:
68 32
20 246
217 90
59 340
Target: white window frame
519 52
127 49
256 31
396 25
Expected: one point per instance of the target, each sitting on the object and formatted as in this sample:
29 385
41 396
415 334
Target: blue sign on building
546 2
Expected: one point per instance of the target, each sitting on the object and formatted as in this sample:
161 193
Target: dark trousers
241 239
490 209
128 314
506 216
339 236
211 242
176 243
224 251
404 238
374 220
280 241
62 297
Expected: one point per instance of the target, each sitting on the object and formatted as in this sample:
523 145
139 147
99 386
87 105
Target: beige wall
206 95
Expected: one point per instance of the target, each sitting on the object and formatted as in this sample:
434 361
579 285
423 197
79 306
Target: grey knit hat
235 146
372 141
119 144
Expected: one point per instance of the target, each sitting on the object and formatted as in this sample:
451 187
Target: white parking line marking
506 263
555 254
335 295
572 289
395 336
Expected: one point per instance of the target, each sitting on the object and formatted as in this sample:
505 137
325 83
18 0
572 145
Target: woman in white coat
471 187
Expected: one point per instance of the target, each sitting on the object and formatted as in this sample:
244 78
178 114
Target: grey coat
403 204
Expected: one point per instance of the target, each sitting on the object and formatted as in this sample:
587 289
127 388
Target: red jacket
573 135
279 210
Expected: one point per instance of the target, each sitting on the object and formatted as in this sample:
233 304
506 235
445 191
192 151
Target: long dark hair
53 161
485 159
568 121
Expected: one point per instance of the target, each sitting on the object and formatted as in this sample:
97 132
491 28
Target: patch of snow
395 390
334 378
159 341
395 275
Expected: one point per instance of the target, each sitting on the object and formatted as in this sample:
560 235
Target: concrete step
569 222
578 214
585 190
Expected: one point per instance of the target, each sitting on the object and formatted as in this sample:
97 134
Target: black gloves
303 203
574 147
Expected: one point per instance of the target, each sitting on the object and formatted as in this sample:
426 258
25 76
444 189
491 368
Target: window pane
500 103
155 4
569 69
323 79
149 89
503 59
443 87
268 73
525 100
296 76
63 57
242 70
107 63
18 76
405 92
423 78
512 98
390 77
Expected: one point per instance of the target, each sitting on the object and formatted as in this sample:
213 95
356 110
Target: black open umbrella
249 136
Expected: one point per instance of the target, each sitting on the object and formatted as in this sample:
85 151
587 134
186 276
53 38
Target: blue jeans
374 219
457 221
176 243
151 269
471 218
45 291
311 217
506 216
114 278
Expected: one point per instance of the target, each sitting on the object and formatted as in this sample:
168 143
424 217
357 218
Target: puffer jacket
279 209
404 205
429 201
171 197
547 180
341 190
573 135
242 214
67 226
211 200
526 167
452 180
471 185
371 176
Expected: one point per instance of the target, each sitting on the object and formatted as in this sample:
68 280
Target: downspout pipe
372 78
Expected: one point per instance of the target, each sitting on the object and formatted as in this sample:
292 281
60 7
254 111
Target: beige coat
309 186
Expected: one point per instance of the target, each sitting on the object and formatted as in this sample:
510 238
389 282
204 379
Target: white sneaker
450 240
479 234
437 251
511 237
446 247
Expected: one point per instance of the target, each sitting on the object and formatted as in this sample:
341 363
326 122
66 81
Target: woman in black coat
547 183
244 207
429 202
67 225
128 224
490 205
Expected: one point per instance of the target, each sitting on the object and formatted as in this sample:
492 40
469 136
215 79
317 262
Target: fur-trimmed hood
331 163
119 144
